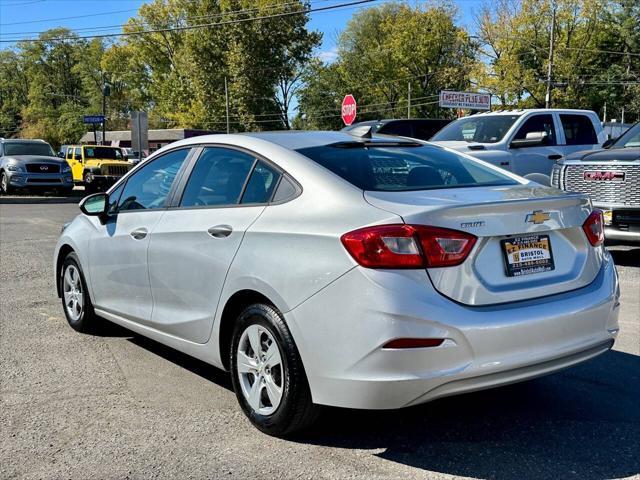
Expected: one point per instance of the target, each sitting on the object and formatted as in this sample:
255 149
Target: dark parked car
420 128
32 164
611 177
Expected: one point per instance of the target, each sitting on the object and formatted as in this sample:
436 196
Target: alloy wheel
72 291
260 369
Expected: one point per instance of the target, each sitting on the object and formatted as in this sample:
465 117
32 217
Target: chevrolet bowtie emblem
538 217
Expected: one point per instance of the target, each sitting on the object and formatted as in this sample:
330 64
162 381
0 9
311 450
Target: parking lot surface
116 405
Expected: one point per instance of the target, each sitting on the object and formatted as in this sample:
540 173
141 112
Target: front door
193 245
74 157
118 263
537 159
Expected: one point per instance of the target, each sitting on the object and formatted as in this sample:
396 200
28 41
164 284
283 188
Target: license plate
527 254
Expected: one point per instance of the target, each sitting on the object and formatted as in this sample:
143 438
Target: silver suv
32 164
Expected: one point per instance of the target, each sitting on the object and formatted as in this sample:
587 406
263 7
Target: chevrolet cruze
344 269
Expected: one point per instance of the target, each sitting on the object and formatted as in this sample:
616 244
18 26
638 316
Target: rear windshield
489 129
402 168
103 152
28 148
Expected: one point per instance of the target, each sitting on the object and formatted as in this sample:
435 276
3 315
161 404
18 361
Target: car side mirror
95 206
61 155
609 142
533 139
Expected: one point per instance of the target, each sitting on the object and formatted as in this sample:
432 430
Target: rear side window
538 123
578 130
218 178
78 154
403 168
402 129
261 184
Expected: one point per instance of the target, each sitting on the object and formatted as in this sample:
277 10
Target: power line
195 27
231 13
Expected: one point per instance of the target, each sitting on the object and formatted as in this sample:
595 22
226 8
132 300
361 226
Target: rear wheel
267 373
75 297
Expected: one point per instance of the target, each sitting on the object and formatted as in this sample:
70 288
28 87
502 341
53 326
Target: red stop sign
348 109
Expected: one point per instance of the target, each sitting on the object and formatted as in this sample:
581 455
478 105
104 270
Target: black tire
5 187
89 187
295 410
86 321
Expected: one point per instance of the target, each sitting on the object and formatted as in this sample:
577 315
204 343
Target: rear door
193 245
536 159
578 132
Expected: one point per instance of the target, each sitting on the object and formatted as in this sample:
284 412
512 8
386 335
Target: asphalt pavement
117 405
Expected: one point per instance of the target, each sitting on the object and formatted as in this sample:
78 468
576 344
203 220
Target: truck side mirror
608 142
533 139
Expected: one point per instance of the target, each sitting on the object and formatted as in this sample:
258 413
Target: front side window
629 139
578 130
480 129
149 187
538 123
28 148
218 178
403 168
78 154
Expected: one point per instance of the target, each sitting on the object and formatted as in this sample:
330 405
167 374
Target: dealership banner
473 101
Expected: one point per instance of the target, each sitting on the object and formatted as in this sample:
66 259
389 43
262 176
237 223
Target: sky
44 14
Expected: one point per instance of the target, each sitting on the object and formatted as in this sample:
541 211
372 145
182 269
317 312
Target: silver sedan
328 268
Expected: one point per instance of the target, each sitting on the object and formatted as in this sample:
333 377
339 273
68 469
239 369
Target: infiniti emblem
44 167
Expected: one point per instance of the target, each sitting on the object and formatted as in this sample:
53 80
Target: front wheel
267 373
75 297
5 187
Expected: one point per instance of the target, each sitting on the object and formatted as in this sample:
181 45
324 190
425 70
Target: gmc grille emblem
44 167
603 176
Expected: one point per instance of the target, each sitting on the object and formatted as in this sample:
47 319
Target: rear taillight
408 246
593 227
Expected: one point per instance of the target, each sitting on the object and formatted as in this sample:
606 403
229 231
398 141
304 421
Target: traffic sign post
348 109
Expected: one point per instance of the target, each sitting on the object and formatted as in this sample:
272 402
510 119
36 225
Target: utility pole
409 100
226 96
106 91
551 45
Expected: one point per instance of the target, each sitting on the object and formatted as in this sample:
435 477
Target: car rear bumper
340 332
624 224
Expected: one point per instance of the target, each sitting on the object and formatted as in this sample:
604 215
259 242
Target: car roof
22 140
296 139
531 110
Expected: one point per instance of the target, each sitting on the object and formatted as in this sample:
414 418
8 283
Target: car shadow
583 423
626 258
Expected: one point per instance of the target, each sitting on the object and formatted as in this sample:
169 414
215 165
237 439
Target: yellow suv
96 166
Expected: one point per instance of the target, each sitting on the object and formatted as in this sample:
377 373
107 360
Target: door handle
139 233
554 157
504 164
220 231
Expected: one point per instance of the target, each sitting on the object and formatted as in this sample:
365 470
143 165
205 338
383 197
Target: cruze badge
44 167
538 217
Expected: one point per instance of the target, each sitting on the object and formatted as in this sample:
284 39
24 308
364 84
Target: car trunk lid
507 219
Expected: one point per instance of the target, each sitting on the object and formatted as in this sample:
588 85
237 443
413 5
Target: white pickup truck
525 142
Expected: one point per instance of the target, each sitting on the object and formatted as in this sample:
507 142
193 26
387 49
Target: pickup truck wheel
4 184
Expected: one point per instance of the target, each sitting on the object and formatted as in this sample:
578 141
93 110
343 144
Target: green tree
384 52
13 92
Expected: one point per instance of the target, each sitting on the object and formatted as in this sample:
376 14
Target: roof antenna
363 131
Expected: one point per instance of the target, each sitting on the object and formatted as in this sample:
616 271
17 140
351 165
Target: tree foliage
382 51
177 72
